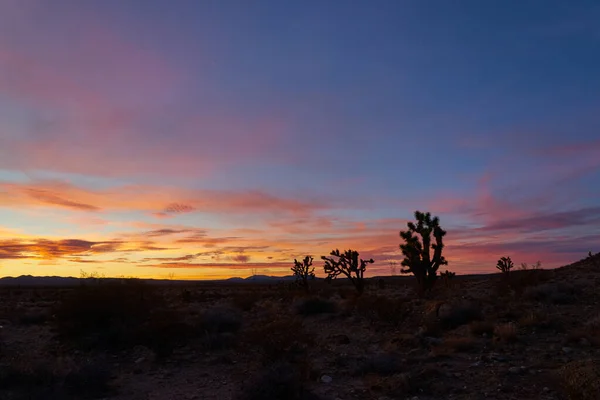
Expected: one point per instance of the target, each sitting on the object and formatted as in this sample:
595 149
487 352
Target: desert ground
533 335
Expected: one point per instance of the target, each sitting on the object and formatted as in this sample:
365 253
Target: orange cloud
150 199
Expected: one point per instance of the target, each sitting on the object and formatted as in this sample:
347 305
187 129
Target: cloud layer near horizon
140 138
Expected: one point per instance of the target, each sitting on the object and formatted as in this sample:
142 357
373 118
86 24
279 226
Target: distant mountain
56 281
28 280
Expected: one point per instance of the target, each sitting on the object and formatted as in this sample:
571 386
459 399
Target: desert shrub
506 332
186 296
34 318
553 293
480 328
384 364
382 309
454 316
219 326
314 306
27 375
42 380
281 339
116 316
590 331
89 380
246 301
447 278
346 293
162 332
98 308
537 319
521 280
580 380
220 320
280 380
460 344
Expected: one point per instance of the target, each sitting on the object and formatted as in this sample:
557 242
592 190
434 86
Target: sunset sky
216 138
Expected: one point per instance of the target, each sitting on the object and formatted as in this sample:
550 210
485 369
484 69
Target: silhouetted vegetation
347 264
505 264
303 272
447 278
418 259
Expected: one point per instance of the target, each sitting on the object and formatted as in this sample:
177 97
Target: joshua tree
393 268
447 277
505 264
347 264
303 271
417 257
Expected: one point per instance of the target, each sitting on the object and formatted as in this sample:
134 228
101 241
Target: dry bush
590 332
383 309
506 332
460 344
280 339
552 293
55 379
219 326
246 301
480 328
315 306
537 319
580 380
89 380
39 317
397 385
116 316
521 280
383 364
453 316
280 380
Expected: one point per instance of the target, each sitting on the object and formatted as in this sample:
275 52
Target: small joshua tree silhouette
303 271
347 264
505 264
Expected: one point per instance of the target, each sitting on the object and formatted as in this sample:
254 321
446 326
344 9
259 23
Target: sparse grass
382 364
383 309
246 301
580 380
590 331
89 380
314 306
219 327
278 339
551 293
480 328
397 385
118 316
34 318
460 314
48 379
280 380
537 320
507 333
460 344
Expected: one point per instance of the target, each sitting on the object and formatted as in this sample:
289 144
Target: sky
218 138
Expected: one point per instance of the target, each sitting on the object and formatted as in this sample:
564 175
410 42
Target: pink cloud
95 95
168 200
